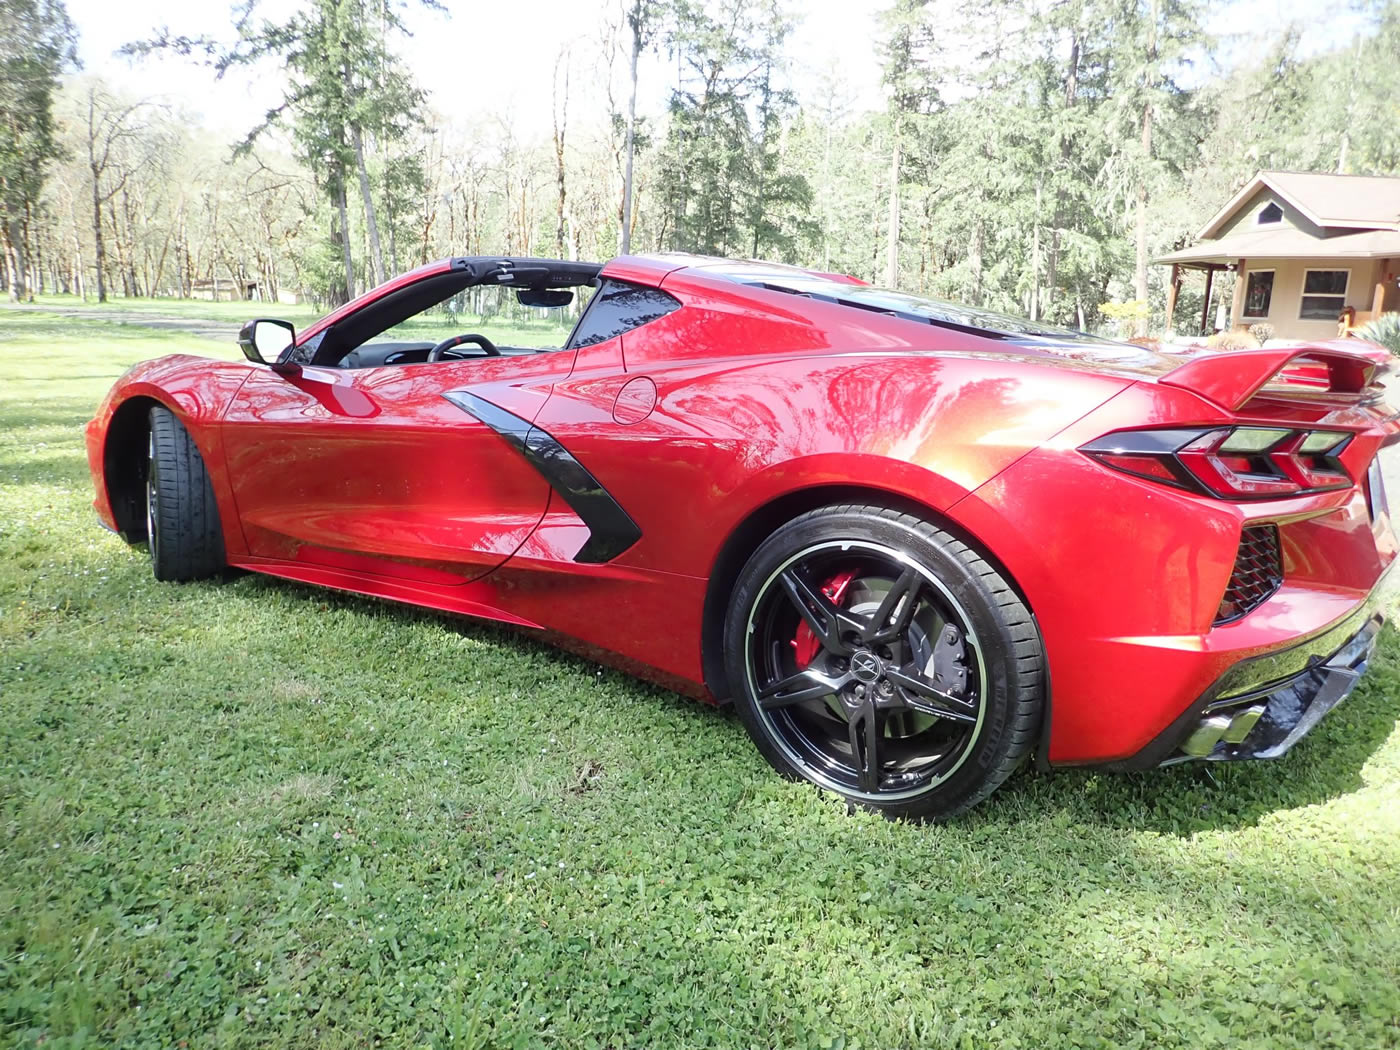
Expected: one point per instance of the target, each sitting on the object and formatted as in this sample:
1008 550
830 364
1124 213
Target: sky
480 58
476 57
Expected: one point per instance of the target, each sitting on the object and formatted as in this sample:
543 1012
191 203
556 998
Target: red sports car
912 542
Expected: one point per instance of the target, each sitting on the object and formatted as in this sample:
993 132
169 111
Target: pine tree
37 44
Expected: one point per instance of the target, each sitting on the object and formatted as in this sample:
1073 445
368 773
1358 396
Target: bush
1126 316
1263 331
1384 330
1233 341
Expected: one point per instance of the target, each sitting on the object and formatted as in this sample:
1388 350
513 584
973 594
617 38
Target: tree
911 90
1154 43
720 182
343 81
560 113
110 125
37 44
641 17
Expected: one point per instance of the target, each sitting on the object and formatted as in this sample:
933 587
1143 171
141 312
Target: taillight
1230 462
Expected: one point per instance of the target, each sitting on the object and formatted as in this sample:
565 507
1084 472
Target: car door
375 470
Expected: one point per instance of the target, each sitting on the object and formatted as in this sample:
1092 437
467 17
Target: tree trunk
625 241
376 253
99 248
561 127
346 253
1052 269
30 256
1035 257
1344 147
14 262
974 261
892 245
1145 161
79 276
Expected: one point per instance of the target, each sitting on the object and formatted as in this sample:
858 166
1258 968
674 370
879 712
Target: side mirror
546 297
264 339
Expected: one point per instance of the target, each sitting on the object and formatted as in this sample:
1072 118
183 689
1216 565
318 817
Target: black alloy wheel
879 657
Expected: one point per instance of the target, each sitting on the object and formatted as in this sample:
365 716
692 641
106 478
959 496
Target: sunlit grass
53 315
254 814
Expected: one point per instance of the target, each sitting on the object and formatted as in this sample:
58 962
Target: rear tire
877 656
182 518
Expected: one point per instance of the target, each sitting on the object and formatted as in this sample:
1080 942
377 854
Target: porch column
1205 307
1237 306
1172 289
1378 300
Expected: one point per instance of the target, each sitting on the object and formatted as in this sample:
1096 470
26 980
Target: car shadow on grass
1209 796
1179 800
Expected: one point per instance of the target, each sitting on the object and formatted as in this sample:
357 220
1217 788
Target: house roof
1287 242
1357 202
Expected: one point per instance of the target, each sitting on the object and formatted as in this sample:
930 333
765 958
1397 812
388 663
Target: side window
619 307
491 310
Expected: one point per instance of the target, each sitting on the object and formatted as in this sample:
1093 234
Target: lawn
255 814
540 328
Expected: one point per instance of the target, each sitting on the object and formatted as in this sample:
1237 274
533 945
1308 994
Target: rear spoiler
1230 379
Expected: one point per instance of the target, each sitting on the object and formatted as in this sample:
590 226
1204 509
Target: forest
1031 156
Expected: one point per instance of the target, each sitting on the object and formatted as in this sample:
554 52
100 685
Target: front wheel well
767 519
124 466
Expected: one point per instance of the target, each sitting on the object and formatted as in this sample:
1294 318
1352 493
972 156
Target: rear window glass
619 307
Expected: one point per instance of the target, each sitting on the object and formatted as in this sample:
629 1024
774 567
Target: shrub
1125 316
1263 331
1240 340
1384 330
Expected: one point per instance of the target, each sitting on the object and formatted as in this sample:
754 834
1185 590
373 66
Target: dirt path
204 328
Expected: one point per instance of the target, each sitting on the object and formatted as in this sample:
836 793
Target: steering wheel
435 354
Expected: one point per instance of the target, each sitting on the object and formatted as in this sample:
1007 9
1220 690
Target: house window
1258 293
1272 213
1324 294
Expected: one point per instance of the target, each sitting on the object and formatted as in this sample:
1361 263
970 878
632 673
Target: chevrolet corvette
915 544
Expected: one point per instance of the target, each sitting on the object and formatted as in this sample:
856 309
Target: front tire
877 656
183 531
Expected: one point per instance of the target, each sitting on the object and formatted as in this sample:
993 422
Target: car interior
457 315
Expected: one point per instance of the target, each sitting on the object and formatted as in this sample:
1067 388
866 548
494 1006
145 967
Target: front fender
198 391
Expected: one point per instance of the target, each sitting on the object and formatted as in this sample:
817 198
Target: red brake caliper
806 644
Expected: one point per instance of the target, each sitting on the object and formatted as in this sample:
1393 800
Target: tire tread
191 543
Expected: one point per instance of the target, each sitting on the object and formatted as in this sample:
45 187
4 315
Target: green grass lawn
255 814
542 329
200 309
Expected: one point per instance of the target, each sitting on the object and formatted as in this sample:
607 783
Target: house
1314 255
227 289
223 289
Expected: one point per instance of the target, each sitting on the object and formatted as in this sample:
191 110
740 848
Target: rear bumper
1261 707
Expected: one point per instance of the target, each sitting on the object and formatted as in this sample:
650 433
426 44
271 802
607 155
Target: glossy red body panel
1230 380
371 481
377 462
196 390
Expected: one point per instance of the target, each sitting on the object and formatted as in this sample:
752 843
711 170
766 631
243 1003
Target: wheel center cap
866 666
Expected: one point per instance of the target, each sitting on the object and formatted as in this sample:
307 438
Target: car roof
850 291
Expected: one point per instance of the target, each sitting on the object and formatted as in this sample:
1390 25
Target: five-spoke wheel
879 657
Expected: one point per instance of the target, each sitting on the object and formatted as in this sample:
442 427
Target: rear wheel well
124 466
763 522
